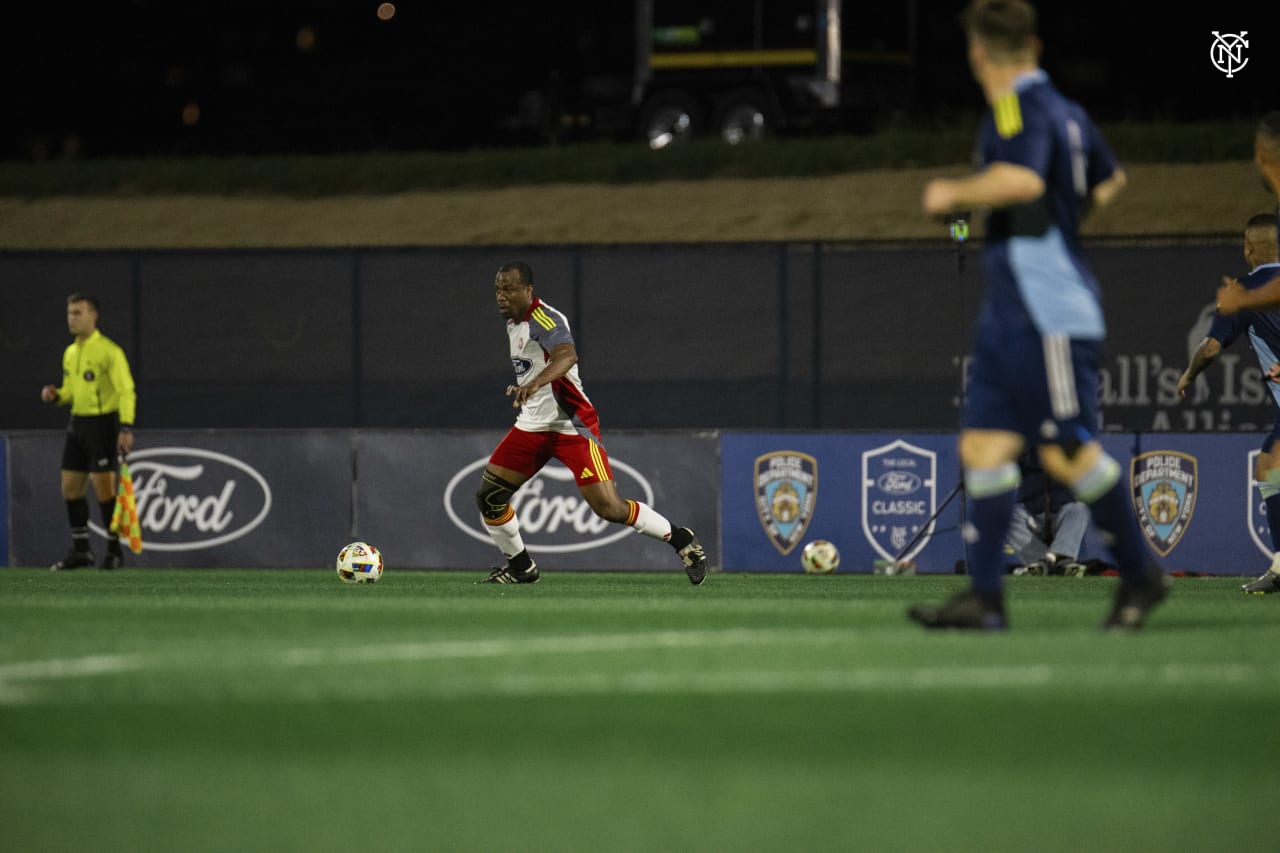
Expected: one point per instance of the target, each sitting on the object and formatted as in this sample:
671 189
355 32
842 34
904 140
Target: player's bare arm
998 185
1232 297
563 358
1106 191
1205 353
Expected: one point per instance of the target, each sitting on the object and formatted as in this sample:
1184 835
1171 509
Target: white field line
46 670
868 680
362 600
16 678
20 682
571 644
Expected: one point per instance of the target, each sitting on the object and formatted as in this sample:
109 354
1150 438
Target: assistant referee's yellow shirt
96 379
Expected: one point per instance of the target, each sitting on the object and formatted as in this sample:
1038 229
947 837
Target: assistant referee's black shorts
91 443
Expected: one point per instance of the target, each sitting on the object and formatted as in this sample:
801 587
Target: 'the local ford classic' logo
189 498
893 514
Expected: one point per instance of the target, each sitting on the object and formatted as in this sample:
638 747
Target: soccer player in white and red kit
549 395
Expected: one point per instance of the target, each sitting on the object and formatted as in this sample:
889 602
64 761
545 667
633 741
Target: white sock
506 534
645 520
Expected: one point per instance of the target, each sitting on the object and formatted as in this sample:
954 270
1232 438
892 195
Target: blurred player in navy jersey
1232 295
1263 329
550 398
1038 342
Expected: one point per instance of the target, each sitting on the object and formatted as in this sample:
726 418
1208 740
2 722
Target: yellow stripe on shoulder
544 320
1008 115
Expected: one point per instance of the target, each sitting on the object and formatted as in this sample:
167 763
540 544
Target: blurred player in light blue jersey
1038 342
1263 329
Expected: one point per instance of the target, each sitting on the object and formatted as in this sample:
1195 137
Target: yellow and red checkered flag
124 520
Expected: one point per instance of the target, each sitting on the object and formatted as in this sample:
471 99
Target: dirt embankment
1211 198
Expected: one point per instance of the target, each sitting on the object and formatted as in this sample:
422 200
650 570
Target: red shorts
527 452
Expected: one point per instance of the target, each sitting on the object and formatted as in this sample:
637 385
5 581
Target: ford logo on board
898 482
554 518
190 498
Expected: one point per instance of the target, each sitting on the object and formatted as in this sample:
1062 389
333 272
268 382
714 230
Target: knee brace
1098 480
1269 486
989 482
494 496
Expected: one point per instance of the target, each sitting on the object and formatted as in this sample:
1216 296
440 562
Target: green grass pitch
240 710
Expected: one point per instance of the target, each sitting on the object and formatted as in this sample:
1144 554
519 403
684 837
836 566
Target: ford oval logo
190 498
551 509
898 482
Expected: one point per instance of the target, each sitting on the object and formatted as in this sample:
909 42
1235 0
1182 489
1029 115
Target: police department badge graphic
786 486
899 491
1163 485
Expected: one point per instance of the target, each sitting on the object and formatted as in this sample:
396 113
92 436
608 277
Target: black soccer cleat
1038 569
75 559
694 558
1134 601
965 611
503 574
1073 569
1269 582
113 560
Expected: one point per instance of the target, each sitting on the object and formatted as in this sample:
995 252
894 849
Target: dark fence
741 336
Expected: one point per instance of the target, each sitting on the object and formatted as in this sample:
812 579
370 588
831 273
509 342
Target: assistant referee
98 386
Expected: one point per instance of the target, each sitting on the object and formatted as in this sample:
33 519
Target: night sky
141 77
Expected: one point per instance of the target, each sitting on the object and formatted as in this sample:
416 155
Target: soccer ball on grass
819 557
359 562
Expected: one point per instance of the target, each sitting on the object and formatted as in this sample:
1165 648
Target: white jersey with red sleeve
552 407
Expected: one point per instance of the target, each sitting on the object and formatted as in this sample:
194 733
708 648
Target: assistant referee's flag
124 521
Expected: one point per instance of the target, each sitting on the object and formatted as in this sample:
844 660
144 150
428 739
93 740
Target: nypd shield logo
1163 485
786 484
1259 529
899 494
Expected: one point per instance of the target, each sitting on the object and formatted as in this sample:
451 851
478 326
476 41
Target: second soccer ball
820 557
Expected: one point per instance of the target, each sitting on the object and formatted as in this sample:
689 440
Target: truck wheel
744 116
670 118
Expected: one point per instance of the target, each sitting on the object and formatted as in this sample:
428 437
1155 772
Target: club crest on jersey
899 494
521 365
1163 486
1259 528
786 485
88 376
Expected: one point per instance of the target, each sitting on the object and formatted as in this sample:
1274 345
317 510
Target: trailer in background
728 68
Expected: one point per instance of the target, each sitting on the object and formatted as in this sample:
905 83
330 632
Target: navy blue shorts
1043 387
